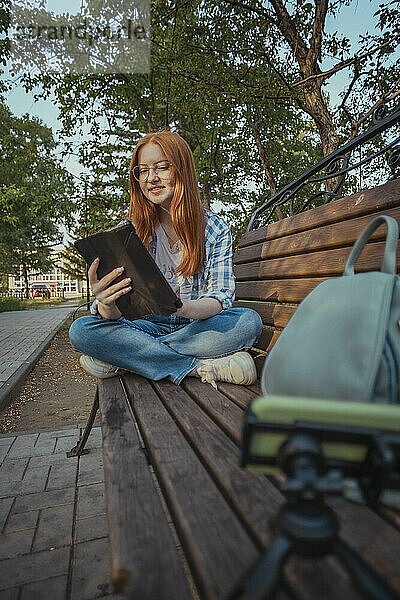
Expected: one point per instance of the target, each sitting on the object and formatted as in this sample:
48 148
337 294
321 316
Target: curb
13 384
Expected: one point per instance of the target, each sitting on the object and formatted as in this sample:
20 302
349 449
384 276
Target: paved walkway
53 529
24 335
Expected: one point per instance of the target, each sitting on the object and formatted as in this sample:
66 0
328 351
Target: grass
38 302
10 303
7 304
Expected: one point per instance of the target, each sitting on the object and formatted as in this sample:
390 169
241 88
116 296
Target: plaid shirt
216 280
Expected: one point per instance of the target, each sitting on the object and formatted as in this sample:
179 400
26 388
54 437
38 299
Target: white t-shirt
168 259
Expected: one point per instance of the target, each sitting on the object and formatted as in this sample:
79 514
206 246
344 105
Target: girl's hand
107 294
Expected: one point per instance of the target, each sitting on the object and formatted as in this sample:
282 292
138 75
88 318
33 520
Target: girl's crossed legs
165 346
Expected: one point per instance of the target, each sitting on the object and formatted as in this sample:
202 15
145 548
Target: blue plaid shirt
216 280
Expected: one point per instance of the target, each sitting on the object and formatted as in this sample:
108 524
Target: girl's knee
251 321
79 330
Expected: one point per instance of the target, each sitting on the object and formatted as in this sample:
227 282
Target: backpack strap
389 257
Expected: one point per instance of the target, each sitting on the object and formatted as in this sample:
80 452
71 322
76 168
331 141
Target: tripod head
290 435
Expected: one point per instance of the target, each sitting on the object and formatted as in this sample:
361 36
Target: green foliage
74 265
8 304
244 83
35 195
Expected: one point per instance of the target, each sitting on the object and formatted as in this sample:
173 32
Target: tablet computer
120 246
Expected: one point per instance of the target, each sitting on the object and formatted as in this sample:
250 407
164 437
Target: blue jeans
165 346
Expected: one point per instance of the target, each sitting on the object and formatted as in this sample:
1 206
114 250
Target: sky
353 20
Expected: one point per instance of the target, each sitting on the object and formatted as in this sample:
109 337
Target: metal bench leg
79 449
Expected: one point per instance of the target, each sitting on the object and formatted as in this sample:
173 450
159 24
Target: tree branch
261 151
343 65
388 96
257 10
314 53
289 31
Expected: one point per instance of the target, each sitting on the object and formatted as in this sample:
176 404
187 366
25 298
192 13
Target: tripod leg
263 579
364 578
79 449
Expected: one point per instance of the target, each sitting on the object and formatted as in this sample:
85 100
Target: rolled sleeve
94 308
220 280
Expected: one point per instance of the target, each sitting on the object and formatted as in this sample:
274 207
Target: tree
245 84
36 195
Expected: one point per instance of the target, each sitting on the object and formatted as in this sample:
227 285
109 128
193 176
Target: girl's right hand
107 294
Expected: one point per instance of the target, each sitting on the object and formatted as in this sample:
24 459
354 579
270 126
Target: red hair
186 210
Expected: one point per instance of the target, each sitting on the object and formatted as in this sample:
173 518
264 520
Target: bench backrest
276 266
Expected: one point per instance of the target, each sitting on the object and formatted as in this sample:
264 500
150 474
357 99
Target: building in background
56 280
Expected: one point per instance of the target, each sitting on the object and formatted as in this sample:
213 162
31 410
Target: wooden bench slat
253 497
374 539
144 557
267 339
208 529
221 458
325 263
228 416
259 361
325 575
322 238
366 202
240 395
271 313
281 290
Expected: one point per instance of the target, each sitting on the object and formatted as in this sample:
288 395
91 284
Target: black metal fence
18 293
339 173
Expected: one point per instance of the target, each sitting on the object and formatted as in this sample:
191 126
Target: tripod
307 526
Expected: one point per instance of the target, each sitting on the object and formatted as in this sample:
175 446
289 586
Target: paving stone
45 444
51 459
96 554
62 474
31 567
66 431
26 451
3 453
91 468
15 543
34 474
91 500
5 506
5 445
22 333
34 481
49 589
91 528
23 445
10 594
20 521
13 469
6 438
64 444
43 500
54 527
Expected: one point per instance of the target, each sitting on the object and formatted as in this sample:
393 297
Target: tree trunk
265 162
26 280
263 157
317 108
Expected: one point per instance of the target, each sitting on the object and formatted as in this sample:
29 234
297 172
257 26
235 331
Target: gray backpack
343 342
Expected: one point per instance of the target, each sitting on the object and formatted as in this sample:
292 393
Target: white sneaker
98 368
236 368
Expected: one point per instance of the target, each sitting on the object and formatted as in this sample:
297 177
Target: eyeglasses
161 170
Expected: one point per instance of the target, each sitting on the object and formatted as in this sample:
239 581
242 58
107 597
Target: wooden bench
185 521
